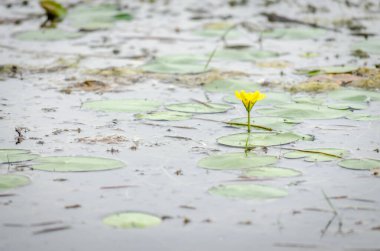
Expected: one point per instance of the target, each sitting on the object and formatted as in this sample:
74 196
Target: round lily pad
47 35
347 106
9 181
360 164
338 69
76 164
122 105
371 46
96 17
15 155
132 220
230 85
164 116
355 95
309 100
259 139
248 191
199 107
176 64
363 117
233 161
294 33
272 98
274 123
271 172
303 111
317 154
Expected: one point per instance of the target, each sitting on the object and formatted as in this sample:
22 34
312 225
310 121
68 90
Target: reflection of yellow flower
249 99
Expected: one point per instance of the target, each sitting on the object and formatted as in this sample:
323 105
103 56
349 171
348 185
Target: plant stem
249 122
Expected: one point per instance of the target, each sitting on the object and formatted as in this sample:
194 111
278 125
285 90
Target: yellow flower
249 99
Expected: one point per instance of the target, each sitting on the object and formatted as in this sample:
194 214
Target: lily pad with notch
317 154
265 123
261 139
248 191
76 164
16 155
236 161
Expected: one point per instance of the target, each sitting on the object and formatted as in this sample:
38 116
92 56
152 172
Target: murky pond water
159 59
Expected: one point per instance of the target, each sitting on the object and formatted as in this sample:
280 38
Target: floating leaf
317 154
259 139
76 164
15 155
164 116
177 64
96 17
338 69
303 111
309 100
347 106
274 123
294 33
233 161
232 34
122 105
363 117
248 191
370 46
230 85
355 95
244 55
272 98
46 35
131 220
9 181
271 172
199 107
360 164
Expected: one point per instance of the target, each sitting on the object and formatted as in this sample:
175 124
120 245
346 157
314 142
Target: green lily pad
244 55
164 116
347 106
199 107
294 33
360 164
76 164
230 85
309 100
272 98
131 220
363 117
274 123
176 64
234 161
338 69
355 95
271 172
259 139
15 155
371 46
96 17
317 154
47 35
248 191
9 181
303 111
122 105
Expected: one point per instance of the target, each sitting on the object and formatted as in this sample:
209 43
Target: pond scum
127 116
